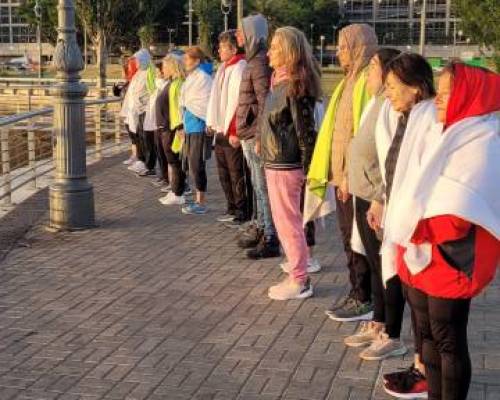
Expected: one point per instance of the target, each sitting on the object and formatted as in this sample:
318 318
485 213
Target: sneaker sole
309 270
301 296
394 353
364 317
408 396
358 345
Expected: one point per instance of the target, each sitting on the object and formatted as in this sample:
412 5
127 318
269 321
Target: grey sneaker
337 305
352 310
367 333
383 347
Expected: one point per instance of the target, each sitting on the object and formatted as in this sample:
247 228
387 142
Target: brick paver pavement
157 305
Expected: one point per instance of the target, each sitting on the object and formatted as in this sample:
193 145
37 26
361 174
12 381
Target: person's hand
182 134
257 147
234 142
374 215
343 191
210 132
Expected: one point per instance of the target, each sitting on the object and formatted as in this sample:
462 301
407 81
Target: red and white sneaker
408 384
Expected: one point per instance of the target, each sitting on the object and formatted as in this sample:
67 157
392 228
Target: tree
49 17
209 17
479 21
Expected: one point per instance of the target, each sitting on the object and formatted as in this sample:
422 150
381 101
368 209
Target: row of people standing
382 150
411 174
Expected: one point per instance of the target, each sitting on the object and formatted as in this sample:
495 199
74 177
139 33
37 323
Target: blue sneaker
194 209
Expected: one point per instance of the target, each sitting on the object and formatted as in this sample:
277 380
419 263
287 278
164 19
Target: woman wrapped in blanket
195 94
448 248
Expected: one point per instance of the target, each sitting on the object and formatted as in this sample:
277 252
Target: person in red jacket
448 249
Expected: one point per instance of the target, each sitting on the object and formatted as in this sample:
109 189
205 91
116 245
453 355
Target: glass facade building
397 22
13 28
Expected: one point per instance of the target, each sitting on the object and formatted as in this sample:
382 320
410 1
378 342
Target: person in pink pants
287 138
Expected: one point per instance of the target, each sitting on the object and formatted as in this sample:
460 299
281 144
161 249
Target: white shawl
224 96
136 100
455 172
195 93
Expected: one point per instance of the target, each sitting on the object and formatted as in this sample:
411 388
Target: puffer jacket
256 77
288 133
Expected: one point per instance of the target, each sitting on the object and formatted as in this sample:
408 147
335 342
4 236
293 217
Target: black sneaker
268 247
338 304
407 384
147 172
352 310
251 237
236 222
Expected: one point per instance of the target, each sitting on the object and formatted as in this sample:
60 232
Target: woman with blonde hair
169 120
288 136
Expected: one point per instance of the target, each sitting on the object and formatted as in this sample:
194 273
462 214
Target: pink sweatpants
285 188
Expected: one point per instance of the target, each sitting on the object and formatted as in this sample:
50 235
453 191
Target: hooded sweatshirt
256 78
461 237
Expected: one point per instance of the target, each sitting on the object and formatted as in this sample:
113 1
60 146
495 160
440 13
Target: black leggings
359 270
195 153
177 174
442 327
388 302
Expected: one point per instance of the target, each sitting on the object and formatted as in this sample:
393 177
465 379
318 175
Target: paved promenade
160 306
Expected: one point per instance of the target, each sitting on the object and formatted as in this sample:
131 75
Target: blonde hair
303 69
176 65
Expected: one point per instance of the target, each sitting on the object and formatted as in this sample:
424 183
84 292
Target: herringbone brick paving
156 305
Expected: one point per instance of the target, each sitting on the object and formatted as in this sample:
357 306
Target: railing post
118 131
5 158
32 155
98 132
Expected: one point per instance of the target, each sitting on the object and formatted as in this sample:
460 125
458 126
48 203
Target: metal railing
27 144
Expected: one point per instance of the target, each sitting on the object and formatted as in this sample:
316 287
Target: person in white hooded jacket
137 100
221 121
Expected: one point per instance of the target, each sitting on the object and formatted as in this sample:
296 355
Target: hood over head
362 42
256 32
475 91
143 58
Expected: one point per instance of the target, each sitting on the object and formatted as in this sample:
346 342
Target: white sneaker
172 200
290 290
313 266
137 166
130 160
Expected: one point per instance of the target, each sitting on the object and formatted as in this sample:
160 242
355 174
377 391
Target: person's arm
260 76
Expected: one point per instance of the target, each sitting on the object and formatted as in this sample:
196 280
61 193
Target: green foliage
49 17
480 23
146 35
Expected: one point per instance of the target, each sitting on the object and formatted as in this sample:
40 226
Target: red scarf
475 92
234 60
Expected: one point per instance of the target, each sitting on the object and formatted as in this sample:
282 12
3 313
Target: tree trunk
101 45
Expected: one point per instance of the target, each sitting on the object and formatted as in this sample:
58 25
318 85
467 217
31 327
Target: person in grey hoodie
260 237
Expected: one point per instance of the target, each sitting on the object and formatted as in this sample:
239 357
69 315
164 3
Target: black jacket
254 87
288 133
163 109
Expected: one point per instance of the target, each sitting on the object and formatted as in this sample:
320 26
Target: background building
397 22
16 36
